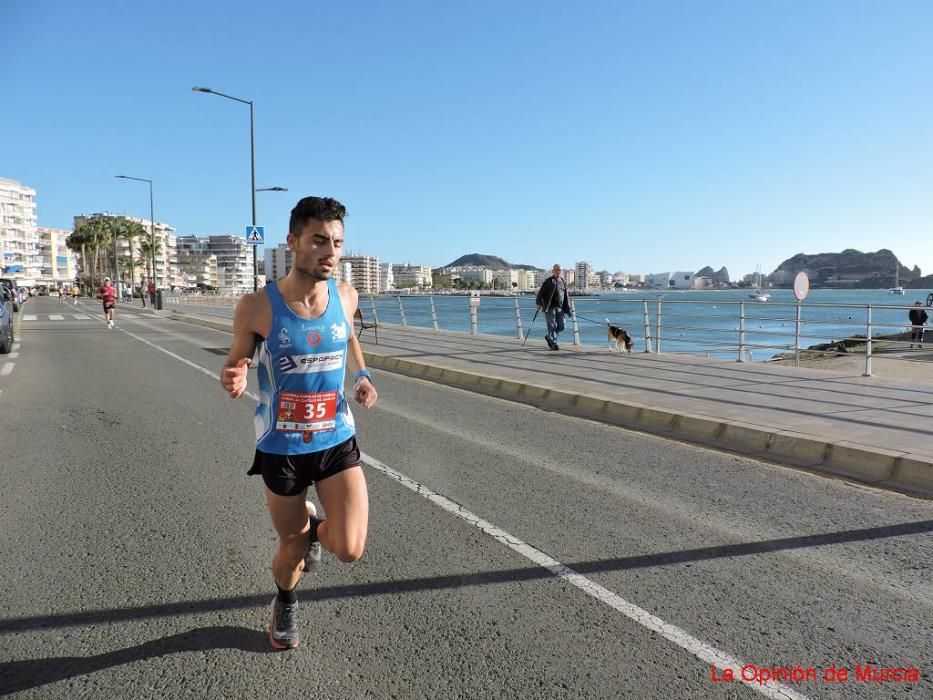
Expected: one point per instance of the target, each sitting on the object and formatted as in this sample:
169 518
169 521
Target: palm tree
93 234
150 249
77 243
131 230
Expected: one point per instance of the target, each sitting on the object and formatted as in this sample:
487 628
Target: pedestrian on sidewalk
555 302
142 291
305 433
918 318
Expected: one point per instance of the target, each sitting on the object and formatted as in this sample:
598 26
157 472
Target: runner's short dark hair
318 208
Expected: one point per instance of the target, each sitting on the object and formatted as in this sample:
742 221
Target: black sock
287 597
314 524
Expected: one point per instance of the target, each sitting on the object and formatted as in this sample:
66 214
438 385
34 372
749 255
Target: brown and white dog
623 341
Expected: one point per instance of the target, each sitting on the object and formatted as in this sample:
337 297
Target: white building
59 264
505 279
278 261
682 280
364 273
475 274
412 276
539 277
658 280
386 276
19 238
584 276
196 263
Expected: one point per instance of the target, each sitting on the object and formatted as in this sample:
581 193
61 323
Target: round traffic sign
801 286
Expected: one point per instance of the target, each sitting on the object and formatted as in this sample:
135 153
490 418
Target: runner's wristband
362 373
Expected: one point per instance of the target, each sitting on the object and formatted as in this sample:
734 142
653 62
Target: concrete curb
899 471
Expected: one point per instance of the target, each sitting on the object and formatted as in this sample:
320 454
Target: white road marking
30 317
15 347
56 317
13 355
214 375
81 317
7 368
698 648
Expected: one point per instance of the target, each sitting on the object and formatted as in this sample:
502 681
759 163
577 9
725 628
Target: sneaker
555 346
313 557
550 343
283 630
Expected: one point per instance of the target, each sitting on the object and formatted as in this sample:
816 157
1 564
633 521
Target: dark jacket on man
917 316
547 295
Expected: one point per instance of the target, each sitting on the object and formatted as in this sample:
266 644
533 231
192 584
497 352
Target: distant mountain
493 262
850 268
722 276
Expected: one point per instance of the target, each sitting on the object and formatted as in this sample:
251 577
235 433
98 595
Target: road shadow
16 676
528 573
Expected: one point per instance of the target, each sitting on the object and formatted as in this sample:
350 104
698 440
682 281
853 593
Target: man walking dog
555 302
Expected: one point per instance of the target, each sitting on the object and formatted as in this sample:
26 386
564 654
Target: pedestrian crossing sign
255 235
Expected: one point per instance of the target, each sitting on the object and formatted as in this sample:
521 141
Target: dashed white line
7 368
30 317
81 317
15 347
13 355
698 648
56 317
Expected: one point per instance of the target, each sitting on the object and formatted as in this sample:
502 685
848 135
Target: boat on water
758 294
897 288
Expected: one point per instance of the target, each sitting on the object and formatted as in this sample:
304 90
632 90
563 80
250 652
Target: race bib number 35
302 412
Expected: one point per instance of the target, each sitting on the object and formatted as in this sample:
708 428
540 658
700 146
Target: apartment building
409 275
364 273
59 264
584 275
19 239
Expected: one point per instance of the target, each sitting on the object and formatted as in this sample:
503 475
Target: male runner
305 434
108 294
74 294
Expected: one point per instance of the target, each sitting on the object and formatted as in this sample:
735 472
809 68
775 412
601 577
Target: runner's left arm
363 391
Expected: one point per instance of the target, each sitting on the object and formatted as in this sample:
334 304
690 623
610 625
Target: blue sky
642 136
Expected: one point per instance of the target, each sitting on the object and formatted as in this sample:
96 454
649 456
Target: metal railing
740 330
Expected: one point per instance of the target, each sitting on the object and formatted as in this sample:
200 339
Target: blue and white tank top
302 407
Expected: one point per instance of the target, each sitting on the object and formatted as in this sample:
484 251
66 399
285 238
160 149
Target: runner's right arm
242 348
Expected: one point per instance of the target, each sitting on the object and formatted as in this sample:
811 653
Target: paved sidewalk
875 430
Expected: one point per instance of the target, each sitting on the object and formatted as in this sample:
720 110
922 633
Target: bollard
741 331
657 331
518 322
576 327
372 301
433 313
160 300
868 343
474 322
401 310
647 329
797 337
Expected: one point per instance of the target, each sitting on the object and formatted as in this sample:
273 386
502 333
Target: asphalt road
136 552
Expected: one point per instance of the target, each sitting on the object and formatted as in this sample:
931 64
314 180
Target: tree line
102 233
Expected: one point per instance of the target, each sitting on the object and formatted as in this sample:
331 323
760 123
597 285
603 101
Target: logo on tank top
318 362
314 337
338 331
284 340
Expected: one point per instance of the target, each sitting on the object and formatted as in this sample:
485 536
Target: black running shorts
289 475
108 305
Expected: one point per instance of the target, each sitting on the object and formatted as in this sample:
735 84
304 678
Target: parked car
10 286
6 320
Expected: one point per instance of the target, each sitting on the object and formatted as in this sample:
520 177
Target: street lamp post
152 246
252 166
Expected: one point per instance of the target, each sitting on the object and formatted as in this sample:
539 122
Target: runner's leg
346 503
290 519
